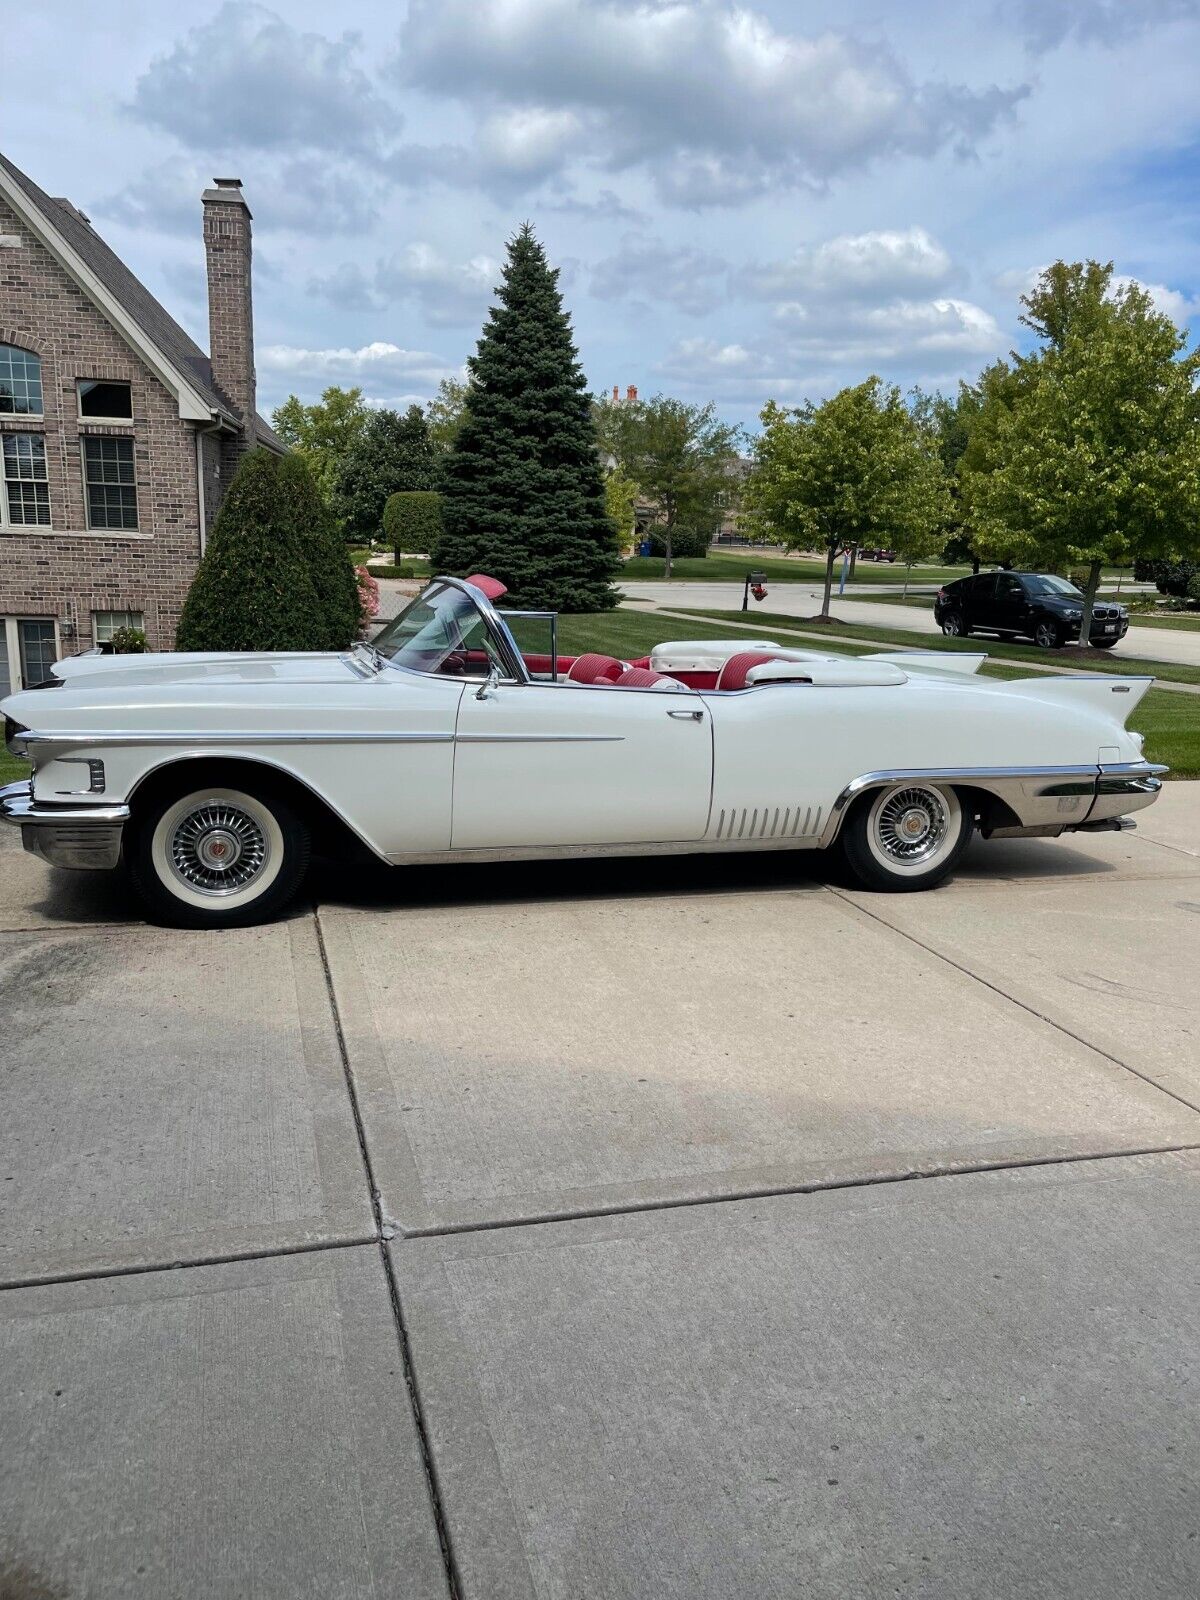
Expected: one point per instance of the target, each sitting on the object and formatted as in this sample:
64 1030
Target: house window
28 649
106 623
25 501
100 401
108 479
20 382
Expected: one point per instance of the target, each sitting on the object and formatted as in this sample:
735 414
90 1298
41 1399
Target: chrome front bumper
72 836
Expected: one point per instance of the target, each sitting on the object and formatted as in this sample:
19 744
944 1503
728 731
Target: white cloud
647 268
248 78
379 362
855 266
712 97
1048 23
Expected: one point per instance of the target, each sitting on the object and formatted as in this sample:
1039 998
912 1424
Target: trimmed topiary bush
412 522
684 542
275 576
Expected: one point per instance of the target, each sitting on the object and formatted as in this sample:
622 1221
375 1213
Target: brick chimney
230 306
631 395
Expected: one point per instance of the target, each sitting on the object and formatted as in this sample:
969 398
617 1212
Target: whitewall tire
906 836
218 856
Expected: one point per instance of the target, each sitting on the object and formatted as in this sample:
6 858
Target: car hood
168 668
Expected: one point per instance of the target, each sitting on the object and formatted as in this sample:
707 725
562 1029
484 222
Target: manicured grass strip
1119 663
730 567
10 768
1150 619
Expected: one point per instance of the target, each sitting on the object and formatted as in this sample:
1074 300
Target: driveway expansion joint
1032 1011
387 1231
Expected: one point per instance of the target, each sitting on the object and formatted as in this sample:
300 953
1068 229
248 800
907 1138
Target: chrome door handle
687 716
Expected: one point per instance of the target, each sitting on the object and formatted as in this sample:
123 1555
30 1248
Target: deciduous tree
858 469
323 432
1088 451
392 454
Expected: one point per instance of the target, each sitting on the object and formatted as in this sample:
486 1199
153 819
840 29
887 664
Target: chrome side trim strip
567 852
540 738
90 740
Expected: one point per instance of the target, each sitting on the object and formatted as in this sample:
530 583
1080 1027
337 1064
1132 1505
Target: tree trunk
829 560
853 560
1089 601
667 543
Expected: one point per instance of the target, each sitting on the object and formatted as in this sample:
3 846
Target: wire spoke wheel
906 835
911 824
218 848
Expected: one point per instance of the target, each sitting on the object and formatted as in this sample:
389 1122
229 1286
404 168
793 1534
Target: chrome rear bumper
72 836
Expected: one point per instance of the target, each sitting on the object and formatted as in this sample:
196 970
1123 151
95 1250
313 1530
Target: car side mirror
488 688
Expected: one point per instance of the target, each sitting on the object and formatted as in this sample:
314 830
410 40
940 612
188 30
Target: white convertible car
212 776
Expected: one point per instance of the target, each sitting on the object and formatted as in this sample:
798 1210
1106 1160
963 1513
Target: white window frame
109 533
131 619
6 522
112 422
13 643
27 416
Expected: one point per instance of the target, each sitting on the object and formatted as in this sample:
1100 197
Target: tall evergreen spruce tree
523 487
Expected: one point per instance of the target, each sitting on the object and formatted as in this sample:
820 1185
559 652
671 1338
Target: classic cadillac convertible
444 740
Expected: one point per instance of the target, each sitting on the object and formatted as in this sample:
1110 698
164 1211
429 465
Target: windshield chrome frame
514 661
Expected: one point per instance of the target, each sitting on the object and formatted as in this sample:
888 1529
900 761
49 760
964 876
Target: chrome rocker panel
70 836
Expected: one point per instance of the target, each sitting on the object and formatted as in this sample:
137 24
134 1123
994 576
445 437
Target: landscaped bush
368 598
1168 577
1193 588
412 521
403 569
275 575
685 542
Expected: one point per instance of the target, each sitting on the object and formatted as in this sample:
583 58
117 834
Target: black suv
1038 605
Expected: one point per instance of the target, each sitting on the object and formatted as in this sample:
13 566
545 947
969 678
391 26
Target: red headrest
733 674
594 669
640 678
492 587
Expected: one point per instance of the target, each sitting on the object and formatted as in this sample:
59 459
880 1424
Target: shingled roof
178 348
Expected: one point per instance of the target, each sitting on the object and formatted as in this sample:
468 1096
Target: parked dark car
876 555
1032 605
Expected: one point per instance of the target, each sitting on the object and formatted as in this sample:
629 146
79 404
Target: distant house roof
178 350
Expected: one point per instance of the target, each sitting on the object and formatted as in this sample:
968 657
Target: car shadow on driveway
370 885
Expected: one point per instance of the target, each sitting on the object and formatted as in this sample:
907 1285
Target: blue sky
757 201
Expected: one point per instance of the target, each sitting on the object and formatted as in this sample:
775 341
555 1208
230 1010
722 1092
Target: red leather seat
594 669
733 674
640 678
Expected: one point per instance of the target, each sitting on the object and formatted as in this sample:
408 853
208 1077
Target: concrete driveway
804 600
677 1228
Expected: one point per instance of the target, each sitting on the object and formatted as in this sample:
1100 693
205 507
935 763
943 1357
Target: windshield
1047 584
441 631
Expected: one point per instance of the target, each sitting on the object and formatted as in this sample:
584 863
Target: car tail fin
1104 690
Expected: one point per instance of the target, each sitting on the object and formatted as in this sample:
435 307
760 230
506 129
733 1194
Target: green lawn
10 768
1118 662
731 567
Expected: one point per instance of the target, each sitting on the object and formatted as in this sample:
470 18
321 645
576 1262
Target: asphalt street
688 1228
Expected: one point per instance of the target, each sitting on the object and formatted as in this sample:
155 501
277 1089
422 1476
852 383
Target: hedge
412 521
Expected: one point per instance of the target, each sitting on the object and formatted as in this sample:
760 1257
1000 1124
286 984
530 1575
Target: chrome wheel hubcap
218 849
912 825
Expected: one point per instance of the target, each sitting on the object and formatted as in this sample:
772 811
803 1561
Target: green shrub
1193 588
275 575
684 542
401 569
412 521
1168 577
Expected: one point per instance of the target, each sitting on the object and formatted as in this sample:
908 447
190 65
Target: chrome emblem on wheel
218 848
911 825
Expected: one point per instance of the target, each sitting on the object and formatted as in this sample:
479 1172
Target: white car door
544 764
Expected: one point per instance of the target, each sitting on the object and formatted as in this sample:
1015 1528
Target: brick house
118 435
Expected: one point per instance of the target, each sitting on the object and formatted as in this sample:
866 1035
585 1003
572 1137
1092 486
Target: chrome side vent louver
769 822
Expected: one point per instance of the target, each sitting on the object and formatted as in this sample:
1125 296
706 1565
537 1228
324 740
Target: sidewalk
688 1228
